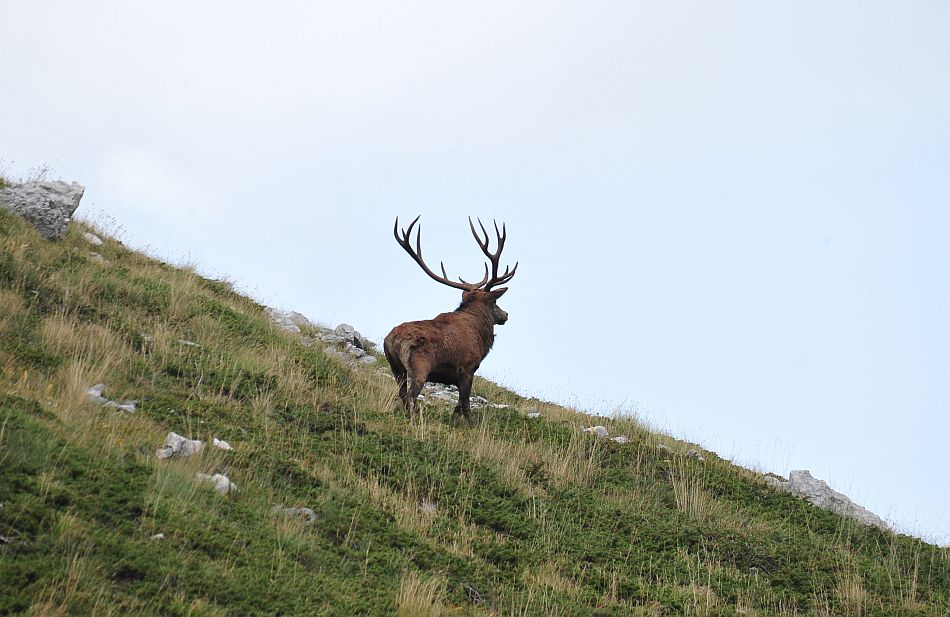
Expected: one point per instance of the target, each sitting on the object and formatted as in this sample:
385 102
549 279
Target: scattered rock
534 414
600 431
694 453
99 259
158 536
440 393
291 321
176 444
802 484
307 512
94 395
353 350
349 334
221 482
92 238
429 507
664 448
48 206
328 336
220 443
339 355
343 342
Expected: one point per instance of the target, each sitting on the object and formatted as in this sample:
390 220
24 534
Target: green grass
531 516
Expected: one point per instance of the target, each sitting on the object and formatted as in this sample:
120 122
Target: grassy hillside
530 516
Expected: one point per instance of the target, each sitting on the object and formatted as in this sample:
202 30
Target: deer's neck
483 322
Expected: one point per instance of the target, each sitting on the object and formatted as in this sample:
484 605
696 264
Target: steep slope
512 516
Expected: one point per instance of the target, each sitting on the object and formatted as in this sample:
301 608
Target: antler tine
406 243
501 236
483 245
405 234
480 283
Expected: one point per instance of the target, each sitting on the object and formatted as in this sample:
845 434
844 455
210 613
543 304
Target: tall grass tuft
419 596
688 489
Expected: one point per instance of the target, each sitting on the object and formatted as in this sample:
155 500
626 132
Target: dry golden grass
850 591
82 287
461 542
376 391
72 381
506 456
404 507
92 342
691 497
80 575
11 306
549 575
705 575
184 289
536 601
173 480
575 464
420 596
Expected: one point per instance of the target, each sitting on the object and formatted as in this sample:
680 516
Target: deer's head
472 293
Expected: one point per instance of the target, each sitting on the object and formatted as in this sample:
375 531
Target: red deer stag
449 348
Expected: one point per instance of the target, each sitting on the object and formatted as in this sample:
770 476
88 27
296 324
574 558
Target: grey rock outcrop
94 395
350 335
439 393
603 433
344 342
696 454
99 259
802 484
176 444
310 515
220 443
291 321
221 482
600 431
48 206
92 238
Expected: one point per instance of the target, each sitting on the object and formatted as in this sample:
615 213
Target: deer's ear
497 293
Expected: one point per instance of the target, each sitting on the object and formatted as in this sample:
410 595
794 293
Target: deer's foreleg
463 408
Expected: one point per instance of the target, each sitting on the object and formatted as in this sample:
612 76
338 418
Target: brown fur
447 349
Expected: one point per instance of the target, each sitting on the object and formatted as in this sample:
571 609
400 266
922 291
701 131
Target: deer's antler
493 257
405 242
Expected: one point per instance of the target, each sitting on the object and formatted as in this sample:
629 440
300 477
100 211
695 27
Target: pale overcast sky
731 217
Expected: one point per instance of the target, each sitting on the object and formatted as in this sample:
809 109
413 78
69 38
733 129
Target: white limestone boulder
48 206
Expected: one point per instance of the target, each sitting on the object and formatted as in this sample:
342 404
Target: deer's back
450 338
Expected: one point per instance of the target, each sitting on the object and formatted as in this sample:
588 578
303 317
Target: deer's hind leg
417 374
401 374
